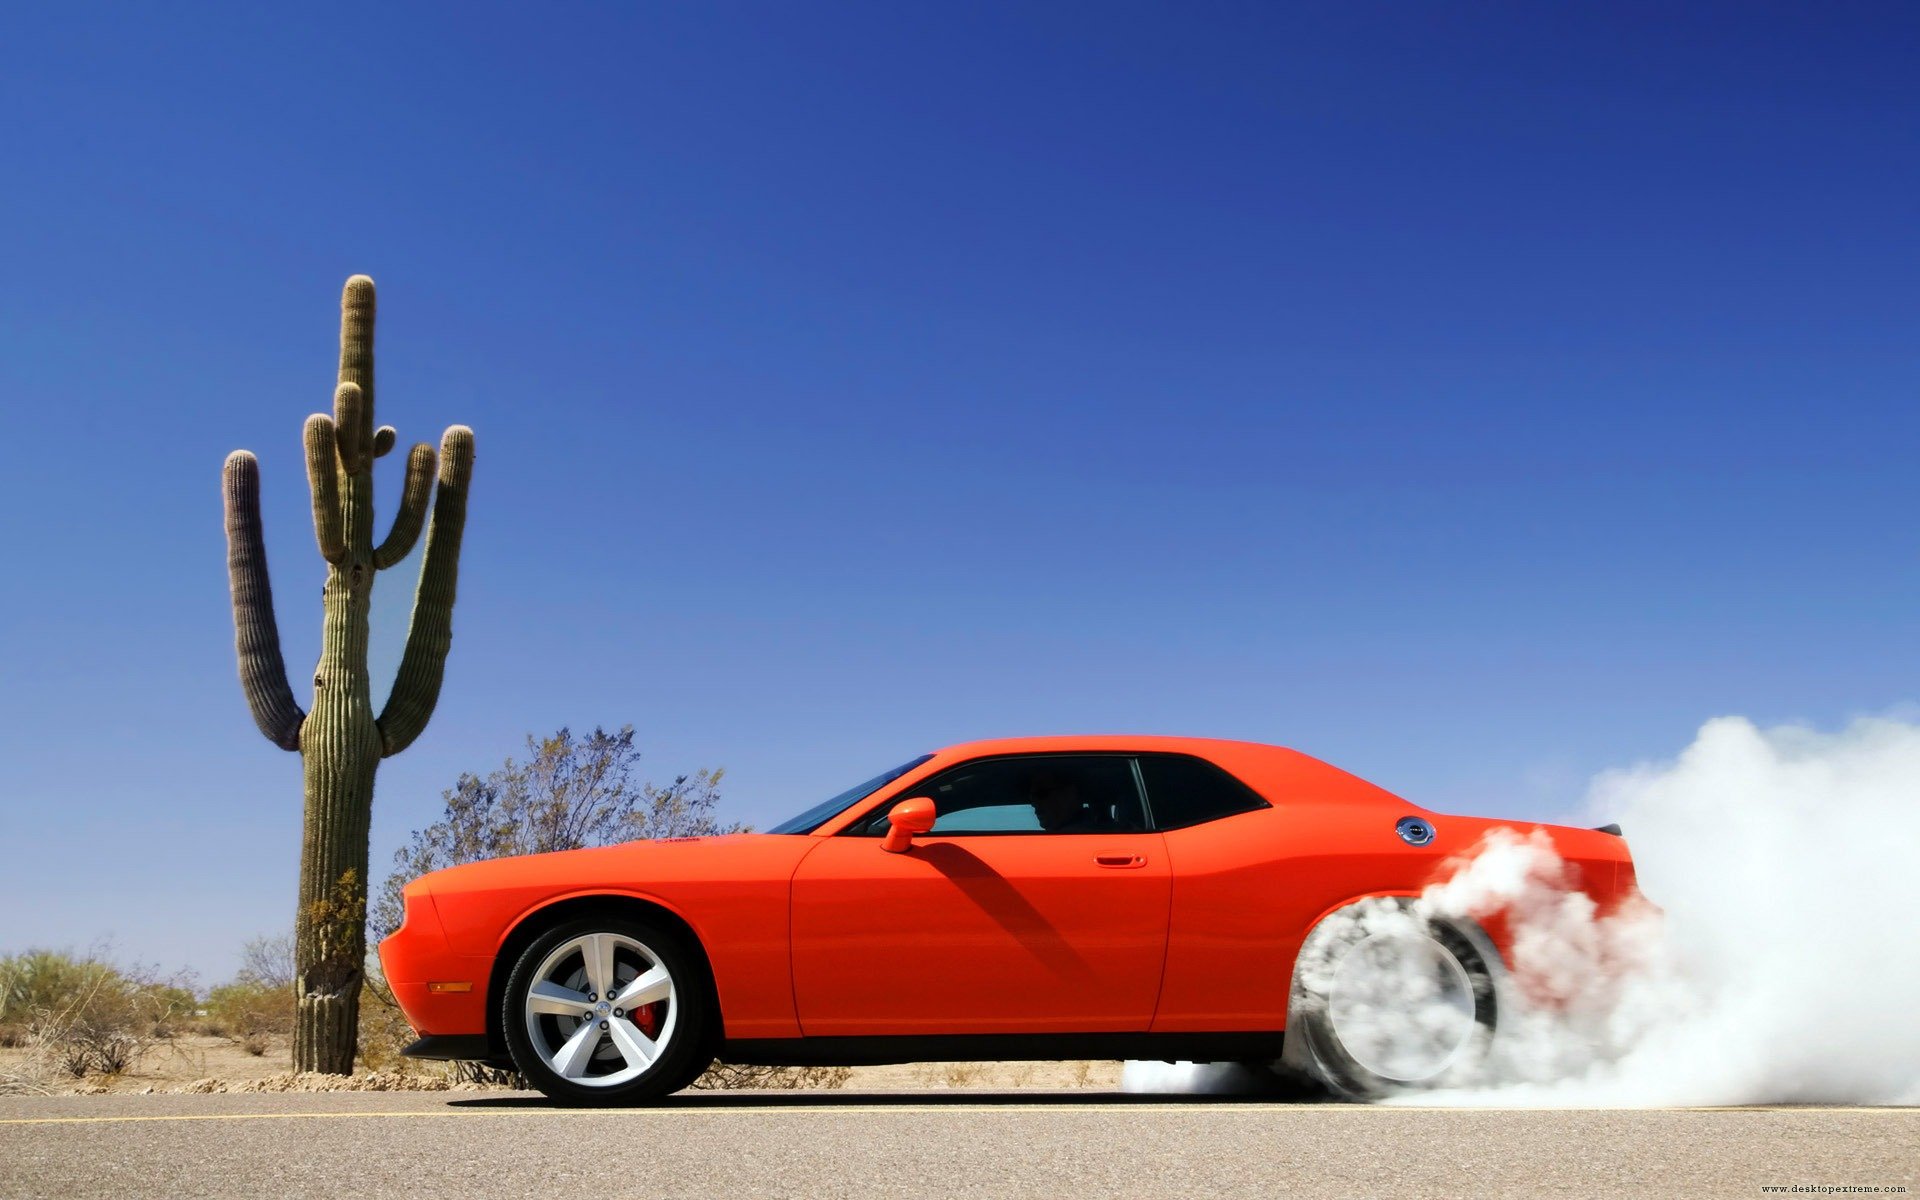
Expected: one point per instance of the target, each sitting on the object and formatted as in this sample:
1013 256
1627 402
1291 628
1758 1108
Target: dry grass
208 1063
730 1076
990 1076
12 1084
289 1081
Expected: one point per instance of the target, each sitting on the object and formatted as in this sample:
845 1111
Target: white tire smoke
1780 964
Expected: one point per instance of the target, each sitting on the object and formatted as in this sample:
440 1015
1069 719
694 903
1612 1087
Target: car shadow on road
956 1099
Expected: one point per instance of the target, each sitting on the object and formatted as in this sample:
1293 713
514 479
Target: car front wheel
608 1010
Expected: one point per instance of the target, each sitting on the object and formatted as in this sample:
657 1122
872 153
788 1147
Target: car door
1037 904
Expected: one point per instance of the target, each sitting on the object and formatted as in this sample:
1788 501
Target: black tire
1315 1042
692 1011
695 1068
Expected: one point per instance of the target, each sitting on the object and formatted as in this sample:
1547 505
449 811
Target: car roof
1272 770
1058 743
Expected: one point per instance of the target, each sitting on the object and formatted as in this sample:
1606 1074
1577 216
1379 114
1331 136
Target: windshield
819 814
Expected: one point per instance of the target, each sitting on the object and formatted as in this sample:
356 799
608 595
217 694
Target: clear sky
1475 396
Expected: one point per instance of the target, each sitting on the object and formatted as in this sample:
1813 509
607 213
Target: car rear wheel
1386 999
608 1010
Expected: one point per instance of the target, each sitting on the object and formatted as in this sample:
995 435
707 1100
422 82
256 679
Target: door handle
1121 861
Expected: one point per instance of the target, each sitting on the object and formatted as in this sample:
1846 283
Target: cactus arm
350 421
383 439
256 637
321 477
430 633
412 513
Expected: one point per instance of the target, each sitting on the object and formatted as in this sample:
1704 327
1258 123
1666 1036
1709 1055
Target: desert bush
571 793
182 1059
384 1031
728 1076
244 1010
167 1009
85 1015
267 962
486 1075
94 1047
38 983
258 1006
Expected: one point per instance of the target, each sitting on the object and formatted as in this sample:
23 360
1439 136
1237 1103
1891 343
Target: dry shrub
42 980
384 1031
91 1046
83 1015
169 1010
729 1076
245 1012
38 986
486 1075
22 1083
183 1059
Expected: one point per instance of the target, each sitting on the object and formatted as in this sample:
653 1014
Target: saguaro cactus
341 741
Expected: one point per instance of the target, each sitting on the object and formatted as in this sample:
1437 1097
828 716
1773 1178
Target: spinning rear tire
1385 1000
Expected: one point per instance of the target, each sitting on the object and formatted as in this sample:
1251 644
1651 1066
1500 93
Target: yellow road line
761 1111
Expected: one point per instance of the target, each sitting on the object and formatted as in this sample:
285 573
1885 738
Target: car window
990 818
1183 790
1030 793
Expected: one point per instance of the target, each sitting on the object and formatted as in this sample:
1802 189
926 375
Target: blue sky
1473 396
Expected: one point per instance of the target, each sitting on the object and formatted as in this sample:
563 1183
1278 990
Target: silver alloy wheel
1401 1005
580 1009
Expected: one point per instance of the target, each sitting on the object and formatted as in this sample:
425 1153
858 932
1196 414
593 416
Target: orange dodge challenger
1035 898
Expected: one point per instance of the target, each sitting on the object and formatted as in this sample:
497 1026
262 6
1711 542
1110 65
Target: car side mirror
913 815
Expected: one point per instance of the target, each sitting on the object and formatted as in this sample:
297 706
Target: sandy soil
165 1065
185 1061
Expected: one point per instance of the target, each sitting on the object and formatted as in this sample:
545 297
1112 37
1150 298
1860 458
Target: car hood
635 861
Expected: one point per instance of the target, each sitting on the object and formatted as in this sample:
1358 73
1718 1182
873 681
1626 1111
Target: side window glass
1040 793
1183 791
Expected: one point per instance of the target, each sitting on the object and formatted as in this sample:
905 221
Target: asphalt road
925 1144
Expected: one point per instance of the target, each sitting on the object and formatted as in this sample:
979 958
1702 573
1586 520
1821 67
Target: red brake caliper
648 1018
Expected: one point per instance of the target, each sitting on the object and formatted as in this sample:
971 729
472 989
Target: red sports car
1037 898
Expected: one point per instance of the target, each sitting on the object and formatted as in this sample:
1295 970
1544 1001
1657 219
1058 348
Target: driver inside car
1059 809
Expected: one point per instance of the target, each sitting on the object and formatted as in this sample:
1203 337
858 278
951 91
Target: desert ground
200 1063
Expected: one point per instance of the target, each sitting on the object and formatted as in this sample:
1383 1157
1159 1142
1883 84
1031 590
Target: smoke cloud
1780 965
